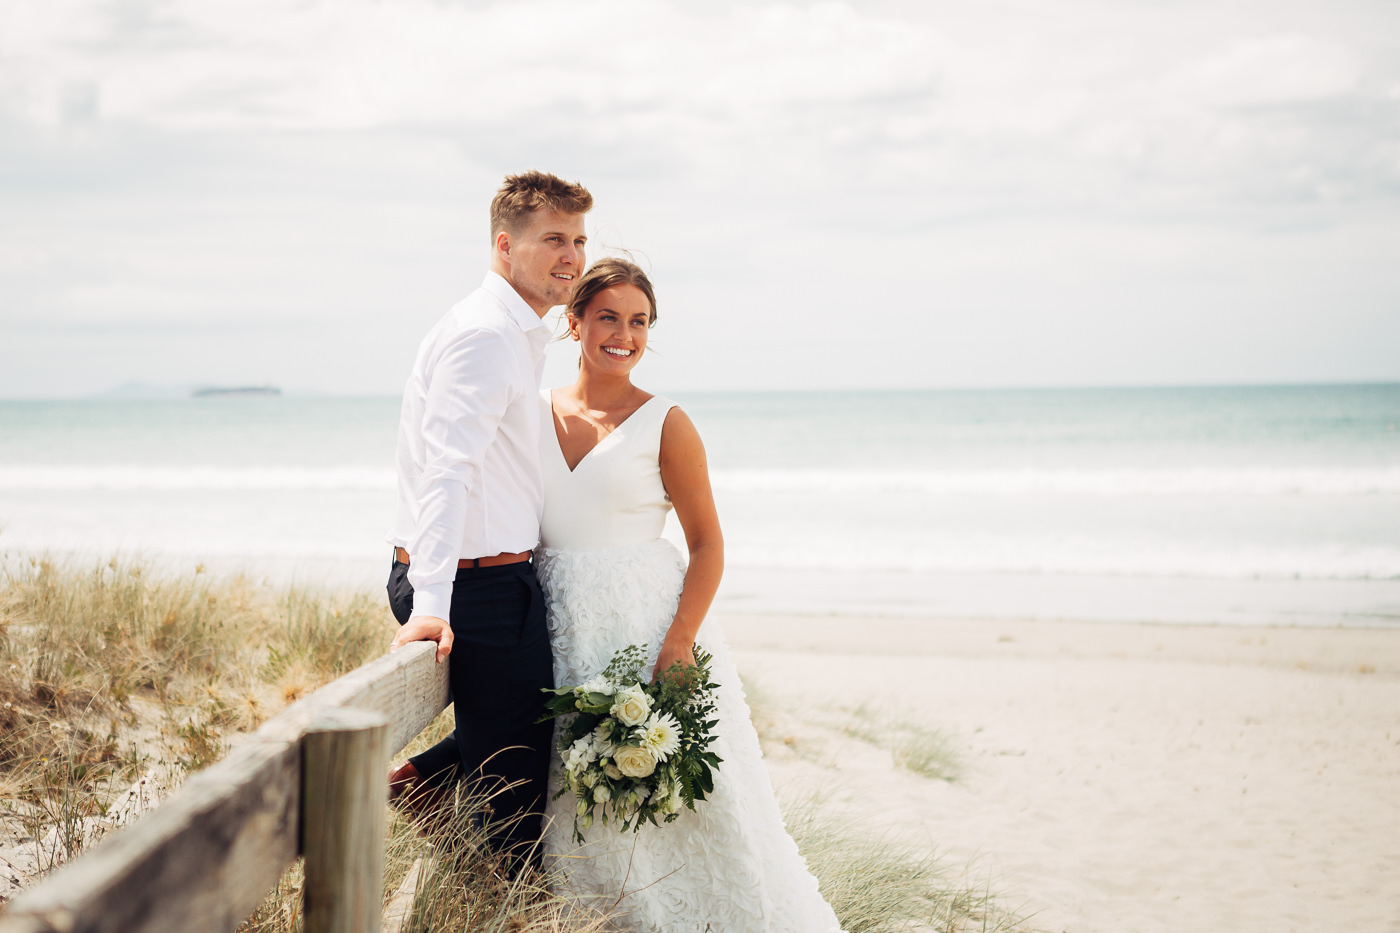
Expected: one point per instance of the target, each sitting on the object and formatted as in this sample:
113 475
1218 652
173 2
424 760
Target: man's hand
426 628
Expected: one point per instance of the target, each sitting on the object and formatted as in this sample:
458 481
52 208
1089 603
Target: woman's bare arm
686 475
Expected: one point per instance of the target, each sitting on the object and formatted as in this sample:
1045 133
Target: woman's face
612 330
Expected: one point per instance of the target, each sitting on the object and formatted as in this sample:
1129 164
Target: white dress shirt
468 450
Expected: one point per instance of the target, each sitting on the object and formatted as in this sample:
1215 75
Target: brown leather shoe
422 800
402 779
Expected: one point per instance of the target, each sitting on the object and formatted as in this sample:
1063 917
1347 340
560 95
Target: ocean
1239 505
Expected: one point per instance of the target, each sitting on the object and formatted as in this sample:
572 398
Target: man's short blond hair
523 194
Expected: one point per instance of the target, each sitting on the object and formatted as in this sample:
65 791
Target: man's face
546 258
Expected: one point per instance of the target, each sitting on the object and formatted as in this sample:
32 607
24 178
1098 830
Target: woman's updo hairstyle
605 273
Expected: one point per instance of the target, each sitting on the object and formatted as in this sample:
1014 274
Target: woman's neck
600 392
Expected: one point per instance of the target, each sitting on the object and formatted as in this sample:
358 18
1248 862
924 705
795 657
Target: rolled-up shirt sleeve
469 390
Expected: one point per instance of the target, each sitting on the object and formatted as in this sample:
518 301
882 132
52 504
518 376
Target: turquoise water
1246 503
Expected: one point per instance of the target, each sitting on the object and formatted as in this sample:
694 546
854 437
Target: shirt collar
523 314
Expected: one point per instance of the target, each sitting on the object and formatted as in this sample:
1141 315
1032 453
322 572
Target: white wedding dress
611 581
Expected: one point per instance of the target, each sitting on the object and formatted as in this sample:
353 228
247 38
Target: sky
827 195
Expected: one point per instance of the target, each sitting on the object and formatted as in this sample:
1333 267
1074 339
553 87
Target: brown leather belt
495 560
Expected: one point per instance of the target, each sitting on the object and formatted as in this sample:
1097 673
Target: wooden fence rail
310 782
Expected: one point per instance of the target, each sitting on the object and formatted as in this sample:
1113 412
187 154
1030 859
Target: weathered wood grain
400 907
407 687
205 857
345 758
202 860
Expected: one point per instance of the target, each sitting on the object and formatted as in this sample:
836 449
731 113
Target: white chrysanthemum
662 734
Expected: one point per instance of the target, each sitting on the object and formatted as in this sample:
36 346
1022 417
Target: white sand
1118 777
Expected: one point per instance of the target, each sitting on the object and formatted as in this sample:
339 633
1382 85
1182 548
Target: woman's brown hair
605 273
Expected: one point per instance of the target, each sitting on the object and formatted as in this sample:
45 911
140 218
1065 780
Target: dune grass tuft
877 883
113 676
440 876
916 747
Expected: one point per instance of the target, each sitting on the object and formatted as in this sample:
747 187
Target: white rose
635 762
631 705
600 794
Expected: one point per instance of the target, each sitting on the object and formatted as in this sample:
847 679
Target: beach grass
878 883
918 747
440 876
116 682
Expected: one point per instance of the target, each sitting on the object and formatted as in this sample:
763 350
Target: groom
470 498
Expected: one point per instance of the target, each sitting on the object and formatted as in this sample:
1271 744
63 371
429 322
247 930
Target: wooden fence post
345 767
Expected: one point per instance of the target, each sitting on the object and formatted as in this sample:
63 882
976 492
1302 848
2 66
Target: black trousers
500 663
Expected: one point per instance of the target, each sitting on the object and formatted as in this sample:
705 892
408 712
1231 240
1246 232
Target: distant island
239 391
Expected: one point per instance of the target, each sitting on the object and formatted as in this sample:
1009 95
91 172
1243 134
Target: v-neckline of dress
559 446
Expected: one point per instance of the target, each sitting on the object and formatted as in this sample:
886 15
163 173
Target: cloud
825 173
1268 70
360 64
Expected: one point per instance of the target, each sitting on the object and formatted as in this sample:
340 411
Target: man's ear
503 244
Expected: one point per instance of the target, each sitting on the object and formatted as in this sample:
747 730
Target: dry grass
916 747
447 880
115 683
114 679
880 884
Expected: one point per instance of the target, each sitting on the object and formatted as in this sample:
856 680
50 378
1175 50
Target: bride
616 460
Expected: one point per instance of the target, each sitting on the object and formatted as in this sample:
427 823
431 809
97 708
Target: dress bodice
614 497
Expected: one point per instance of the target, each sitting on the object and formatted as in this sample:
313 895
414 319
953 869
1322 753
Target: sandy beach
1113 777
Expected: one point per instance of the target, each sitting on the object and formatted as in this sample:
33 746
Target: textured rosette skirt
728 867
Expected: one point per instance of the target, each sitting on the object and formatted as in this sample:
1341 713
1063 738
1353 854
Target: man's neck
503 271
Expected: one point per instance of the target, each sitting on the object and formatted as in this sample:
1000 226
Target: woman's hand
426 628
671 652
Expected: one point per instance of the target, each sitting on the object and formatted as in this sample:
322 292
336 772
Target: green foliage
594 741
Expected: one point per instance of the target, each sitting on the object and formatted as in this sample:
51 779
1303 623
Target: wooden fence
311 782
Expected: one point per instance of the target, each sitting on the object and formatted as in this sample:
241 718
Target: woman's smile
617 313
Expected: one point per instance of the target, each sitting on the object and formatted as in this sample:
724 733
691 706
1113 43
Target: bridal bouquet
634 750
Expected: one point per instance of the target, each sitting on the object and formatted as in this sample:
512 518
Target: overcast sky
828 195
